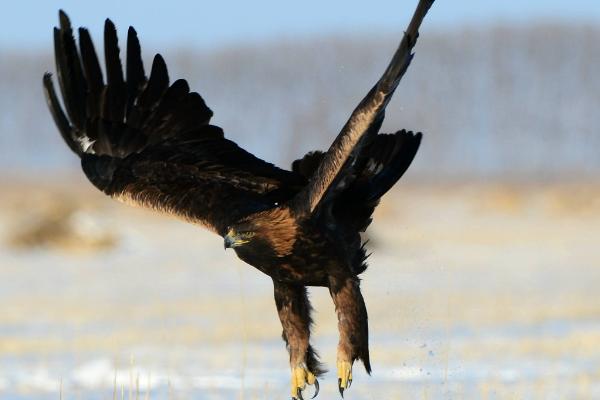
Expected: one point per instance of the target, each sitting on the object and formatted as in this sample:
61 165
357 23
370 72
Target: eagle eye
246 235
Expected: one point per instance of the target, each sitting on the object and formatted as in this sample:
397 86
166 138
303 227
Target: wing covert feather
368 114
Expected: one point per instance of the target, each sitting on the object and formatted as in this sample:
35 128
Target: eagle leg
294 310
352 325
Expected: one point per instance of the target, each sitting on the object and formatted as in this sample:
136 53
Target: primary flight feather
145 141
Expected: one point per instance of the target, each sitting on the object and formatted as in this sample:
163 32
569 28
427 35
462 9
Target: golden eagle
146 142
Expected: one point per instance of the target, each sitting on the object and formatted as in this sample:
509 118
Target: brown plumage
149 143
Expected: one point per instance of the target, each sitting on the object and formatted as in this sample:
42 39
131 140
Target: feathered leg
352 325
294 310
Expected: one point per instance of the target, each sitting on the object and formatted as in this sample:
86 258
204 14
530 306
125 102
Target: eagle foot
301 376
344 370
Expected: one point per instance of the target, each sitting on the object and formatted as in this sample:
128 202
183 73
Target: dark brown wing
367 116
381 163
146 142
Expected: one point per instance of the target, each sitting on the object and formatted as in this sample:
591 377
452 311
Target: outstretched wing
364 122
380 164
146 142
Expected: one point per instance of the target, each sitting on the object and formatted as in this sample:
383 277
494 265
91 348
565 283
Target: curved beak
228 242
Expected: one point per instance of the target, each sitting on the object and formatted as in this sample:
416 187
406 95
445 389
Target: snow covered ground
474 291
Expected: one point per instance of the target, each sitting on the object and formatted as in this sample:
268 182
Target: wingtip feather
60 119
159 70
135 66
114 69
63 19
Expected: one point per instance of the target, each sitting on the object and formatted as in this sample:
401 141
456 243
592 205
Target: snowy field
480 291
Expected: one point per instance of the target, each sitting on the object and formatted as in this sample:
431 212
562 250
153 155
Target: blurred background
485 272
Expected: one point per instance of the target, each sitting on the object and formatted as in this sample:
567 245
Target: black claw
299 394
316 388
340 387
349 383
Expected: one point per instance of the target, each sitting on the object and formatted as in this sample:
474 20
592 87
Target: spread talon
344 369
316 387
301 376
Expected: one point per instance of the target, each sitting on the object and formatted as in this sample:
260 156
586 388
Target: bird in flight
147 142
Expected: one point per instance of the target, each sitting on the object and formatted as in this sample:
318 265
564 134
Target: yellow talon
300 377
344 369
310 378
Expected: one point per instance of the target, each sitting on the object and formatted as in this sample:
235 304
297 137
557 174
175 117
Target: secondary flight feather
149 142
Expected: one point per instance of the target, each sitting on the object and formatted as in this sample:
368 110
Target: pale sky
27 24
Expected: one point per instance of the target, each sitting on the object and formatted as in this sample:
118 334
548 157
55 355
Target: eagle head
238 236
271 232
